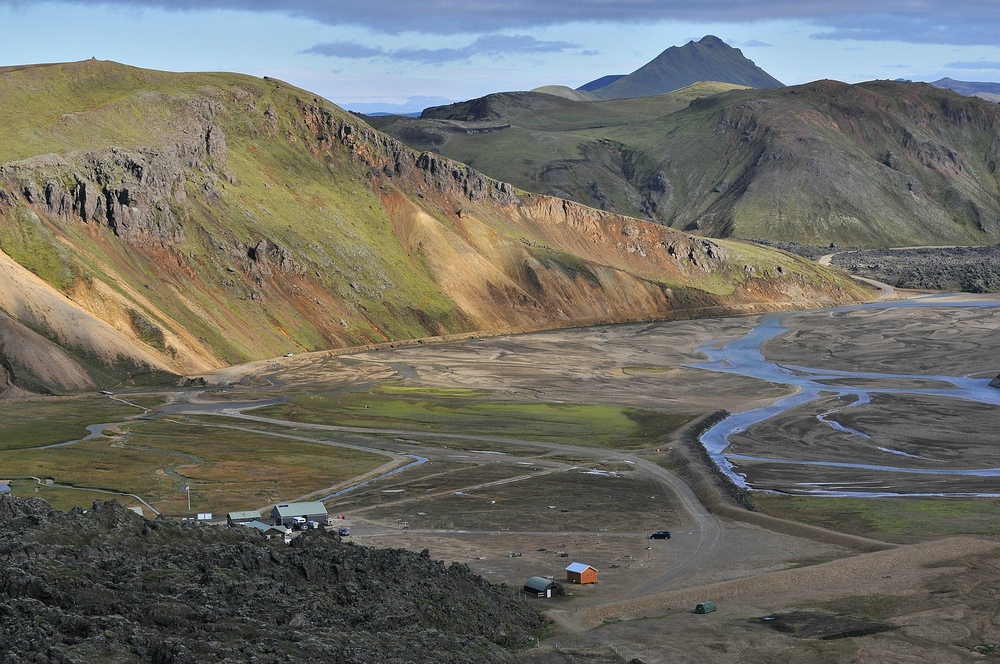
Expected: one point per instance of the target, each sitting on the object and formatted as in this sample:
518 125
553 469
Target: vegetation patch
876 607
29 243
570 265
540 502
227 468
43 422
820 625
890 519
66 498
466 411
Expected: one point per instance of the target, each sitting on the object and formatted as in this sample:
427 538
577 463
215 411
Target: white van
298 522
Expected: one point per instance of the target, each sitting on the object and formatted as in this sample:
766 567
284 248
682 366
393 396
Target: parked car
344 532
660 534
312 524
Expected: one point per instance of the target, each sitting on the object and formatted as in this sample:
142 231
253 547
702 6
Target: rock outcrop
105 584
137 193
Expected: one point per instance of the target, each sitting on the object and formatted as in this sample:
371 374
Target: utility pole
187 490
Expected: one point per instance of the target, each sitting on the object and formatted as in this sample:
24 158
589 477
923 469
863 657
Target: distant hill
709 59
566 92
157 224
984 90
878 164
601 82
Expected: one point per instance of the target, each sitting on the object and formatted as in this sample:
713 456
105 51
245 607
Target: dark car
660 534
344 532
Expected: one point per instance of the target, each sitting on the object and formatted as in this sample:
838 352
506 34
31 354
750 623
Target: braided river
849 449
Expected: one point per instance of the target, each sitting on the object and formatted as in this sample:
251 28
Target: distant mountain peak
986 89
711 40
708 59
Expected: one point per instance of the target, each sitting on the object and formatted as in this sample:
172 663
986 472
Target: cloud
756 43
488 45
345 50
948 26
412 105
914 21
978 64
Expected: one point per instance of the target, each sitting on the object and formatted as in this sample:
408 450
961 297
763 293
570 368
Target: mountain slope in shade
600 82
709 59
243 219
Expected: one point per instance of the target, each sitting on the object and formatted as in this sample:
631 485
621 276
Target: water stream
743 356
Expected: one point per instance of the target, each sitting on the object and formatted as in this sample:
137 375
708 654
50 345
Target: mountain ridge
878 164
246 218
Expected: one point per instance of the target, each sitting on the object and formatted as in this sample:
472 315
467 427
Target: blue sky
404 55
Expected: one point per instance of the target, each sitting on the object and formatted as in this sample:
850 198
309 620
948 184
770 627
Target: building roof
579 567
244 516
4 487
265 527
538 583
299 509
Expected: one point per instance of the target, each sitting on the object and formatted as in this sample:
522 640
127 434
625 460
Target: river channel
829 395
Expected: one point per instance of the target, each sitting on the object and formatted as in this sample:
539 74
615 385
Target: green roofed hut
705 607
539 586
270 530
286 514
240 518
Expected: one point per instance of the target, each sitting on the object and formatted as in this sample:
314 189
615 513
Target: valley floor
512 502
525 513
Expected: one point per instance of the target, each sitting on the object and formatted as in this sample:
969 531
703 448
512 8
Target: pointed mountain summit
709 59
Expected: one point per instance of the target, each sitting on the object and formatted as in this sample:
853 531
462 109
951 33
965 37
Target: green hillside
881 163
545 143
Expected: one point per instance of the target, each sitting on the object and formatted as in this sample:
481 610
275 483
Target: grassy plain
227 468
36 423
477 412
890 519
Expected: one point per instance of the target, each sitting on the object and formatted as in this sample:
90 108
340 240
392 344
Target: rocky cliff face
138 194
251 219
104 584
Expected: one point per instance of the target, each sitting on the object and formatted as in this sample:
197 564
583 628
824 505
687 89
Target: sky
404 55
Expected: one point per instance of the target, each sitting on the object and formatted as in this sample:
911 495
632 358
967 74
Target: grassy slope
341 230
808 164
553 145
